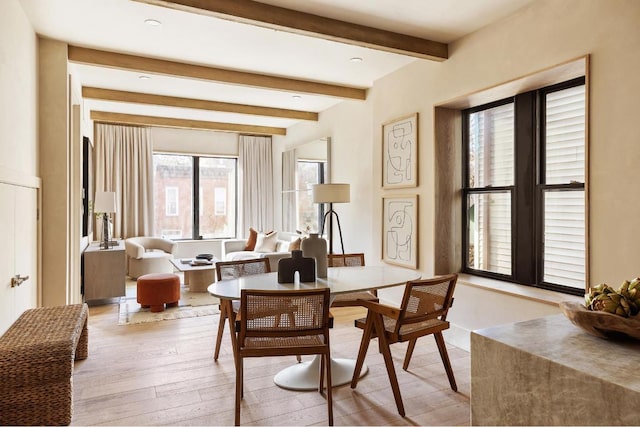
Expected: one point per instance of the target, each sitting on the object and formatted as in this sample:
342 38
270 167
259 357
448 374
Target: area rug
191 304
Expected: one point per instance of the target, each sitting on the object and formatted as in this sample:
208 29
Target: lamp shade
105 202
331 193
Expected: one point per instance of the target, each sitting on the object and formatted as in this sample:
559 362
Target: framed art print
400 230
400 152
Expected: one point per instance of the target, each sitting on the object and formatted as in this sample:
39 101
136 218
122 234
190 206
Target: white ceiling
118 25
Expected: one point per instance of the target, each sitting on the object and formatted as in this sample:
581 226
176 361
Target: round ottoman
157 289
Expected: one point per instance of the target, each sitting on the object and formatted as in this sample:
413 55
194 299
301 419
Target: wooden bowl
600 323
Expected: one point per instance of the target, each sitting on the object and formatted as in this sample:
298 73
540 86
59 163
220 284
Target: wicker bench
36 365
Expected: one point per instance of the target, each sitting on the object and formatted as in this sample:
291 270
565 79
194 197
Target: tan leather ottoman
157 289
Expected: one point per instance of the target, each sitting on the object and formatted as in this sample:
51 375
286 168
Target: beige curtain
124 164
289 190
255 167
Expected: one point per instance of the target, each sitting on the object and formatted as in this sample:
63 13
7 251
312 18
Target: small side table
104 271
197 277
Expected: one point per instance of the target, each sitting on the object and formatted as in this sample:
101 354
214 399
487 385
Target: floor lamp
331 193
106 203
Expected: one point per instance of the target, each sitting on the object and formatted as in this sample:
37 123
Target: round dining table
341 280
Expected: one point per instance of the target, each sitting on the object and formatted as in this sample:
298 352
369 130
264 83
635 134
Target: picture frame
400 230
400 152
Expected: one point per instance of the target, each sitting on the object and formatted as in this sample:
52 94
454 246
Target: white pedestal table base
306 375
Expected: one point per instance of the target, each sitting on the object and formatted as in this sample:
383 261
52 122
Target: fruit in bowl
624 302
608 313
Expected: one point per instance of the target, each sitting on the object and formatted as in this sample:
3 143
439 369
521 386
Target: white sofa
148 255
233 250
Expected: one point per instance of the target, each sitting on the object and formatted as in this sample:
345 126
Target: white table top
341 280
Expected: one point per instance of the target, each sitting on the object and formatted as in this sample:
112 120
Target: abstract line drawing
399 157
399 230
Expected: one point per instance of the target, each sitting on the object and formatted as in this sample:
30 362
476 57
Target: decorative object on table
608 313
105 203
315 247
400 230
400 152
208 257
331 193
287 268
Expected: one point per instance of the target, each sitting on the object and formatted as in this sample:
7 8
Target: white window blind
564 211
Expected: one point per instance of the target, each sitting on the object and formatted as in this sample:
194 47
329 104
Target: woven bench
36 365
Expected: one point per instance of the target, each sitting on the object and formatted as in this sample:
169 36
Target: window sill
521 291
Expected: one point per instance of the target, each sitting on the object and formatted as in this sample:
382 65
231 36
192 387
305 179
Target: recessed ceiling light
144 77
296 97
356 59
152 22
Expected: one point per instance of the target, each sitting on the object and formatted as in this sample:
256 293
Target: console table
547 371
104 271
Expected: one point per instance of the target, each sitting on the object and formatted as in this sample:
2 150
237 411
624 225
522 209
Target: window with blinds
523 188
563 251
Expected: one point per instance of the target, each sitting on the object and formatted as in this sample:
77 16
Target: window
171 201
186 184
523 188
309 215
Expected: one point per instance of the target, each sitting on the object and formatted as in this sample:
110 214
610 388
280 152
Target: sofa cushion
241 255
295 244
266 242
251 241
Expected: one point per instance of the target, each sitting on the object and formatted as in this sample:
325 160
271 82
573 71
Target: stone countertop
555 338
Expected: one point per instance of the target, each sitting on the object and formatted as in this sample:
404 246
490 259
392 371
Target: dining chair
306 332
226 270
423 311
351 299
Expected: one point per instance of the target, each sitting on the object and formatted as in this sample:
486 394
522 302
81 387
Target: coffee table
197 277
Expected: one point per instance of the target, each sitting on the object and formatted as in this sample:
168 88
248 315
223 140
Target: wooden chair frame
350 299
391 325
306 332
227 310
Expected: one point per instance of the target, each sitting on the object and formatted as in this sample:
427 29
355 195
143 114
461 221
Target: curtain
255 165
124 164
289 190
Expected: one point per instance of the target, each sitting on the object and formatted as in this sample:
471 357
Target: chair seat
354 296
284 342
433 325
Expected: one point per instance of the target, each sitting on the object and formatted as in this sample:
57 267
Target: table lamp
105 203
331 193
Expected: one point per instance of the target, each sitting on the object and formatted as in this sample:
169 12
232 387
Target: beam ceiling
140 120
279 18
159 66
173 101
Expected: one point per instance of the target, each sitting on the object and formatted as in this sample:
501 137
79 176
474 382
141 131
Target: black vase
287 268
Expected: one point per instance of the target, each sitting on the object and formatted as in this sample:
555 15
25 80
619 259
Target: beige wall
546 33
19 181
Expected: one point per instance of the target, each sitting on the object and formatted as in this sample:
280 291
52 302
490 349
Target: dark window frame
527 191
195 194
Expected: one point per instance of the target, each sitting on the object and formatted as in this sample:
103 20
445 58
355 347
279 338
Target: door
19 255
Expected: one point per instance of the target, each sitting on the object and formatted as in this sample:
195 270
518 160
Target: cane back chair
226 270
351 299
305 332
423 311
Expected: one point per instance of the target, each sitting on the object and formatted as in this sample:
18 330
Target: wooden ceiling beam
122 61
278 18
173 101
135 119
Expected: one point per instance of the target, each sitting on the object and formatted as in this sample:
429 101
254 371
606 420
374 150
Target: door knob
17 280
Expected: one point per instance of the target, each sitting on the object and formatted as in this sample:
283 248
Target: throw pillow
295 244
251 241
266 242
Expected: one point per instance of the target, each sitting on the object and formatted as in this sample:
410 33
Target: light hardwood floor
163 373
